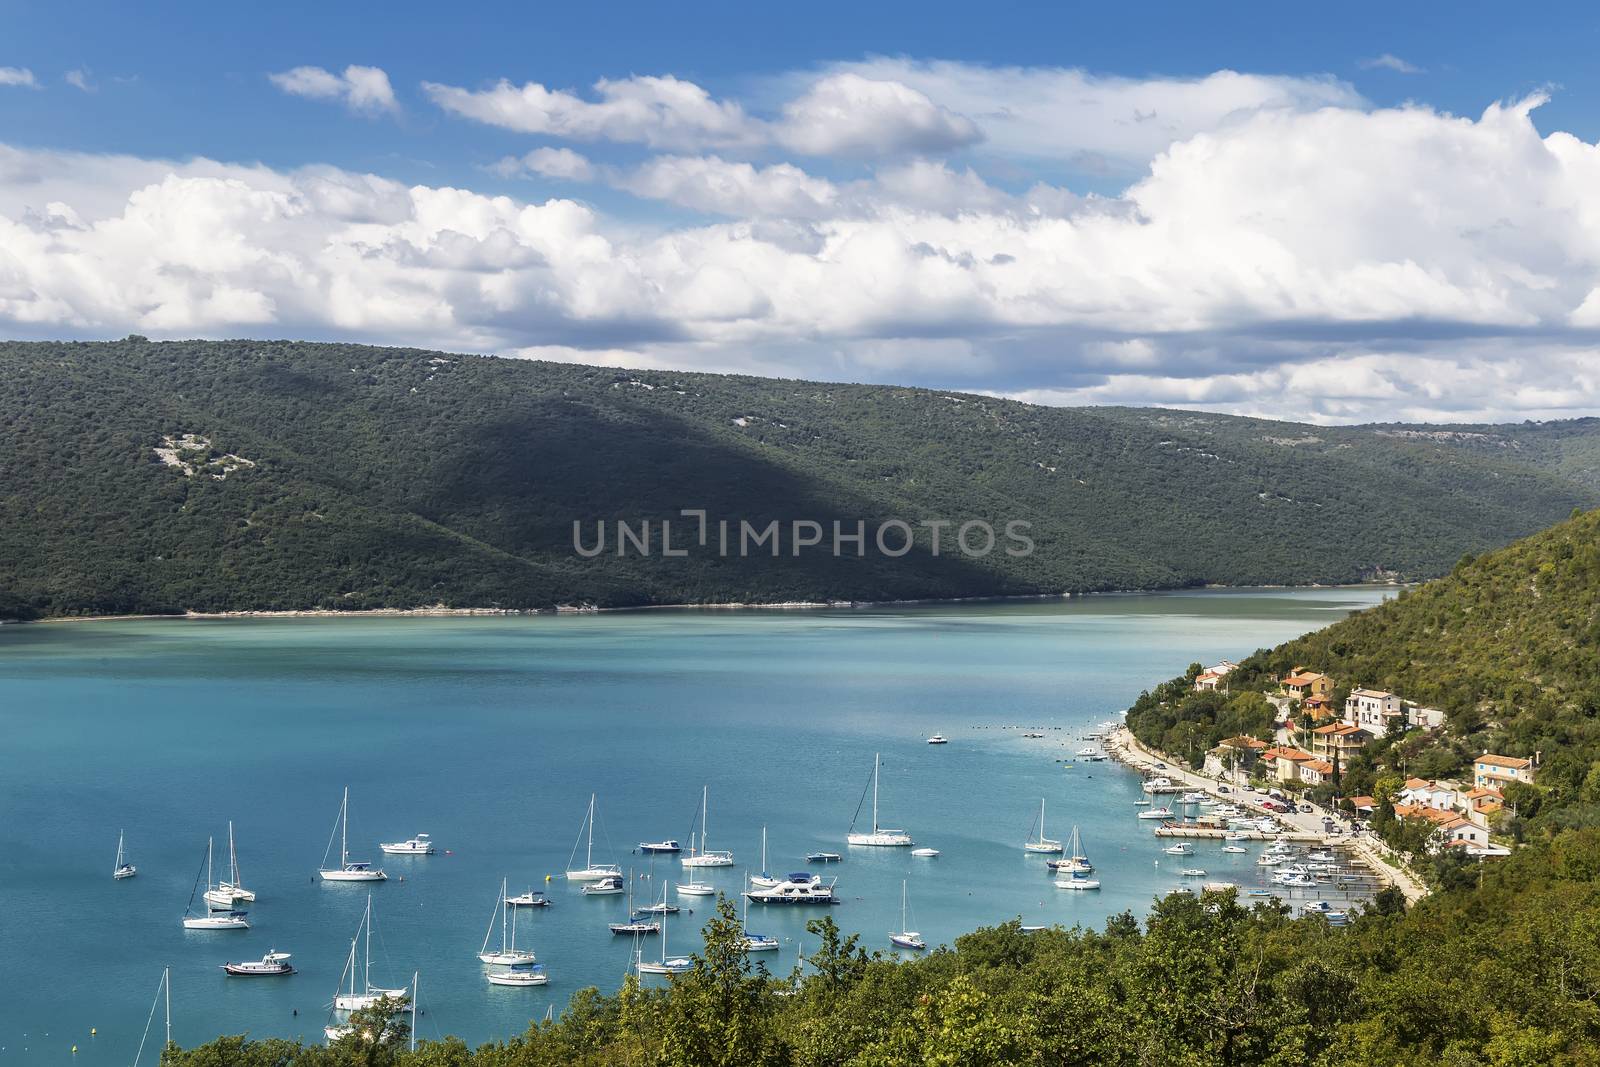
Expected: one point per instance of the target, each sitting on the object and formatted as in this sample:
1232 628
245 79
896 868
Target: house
1372 710
1315 771
1235 754
1421 793
1212 677
1483 802
1284 762
1319 708
1451 828
1490 770
1301 683
1340 738
1364 805
1424 718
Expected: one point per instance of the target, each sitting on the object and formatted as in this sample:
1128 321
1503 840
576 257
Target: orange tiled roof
1514 762
1320 766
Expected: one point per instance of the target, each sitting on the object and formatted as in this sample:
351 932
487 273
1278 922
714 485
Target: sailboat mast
504 907
705 799
588 862
209 882
366 967
875 792
166 980
344 832
416 998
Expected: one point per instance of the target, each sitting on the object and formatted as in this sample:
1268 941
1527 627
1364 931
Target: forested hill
162 477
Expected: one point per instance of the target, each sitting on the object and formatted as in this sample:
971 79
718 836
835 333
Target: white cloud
1334 264
20 76
79 79
562 164
364 90
848 115
1390 61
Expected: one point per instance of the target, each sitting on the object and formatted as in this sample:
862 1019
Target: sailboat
878 836
407 995
530 975
229 892
704 857
368 994
347 871
163 989
1075 862
1042 843
123 868
212 920
764 880
591 871
755 942
636 923
668 964
906 938
508 954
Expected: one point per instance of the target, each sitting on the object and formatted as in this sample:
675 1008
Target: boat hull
125 872
353 876
1078 883
506 959
518 979
677 966
594 874
881 839
908 941
217 922
362 1001
255 970
695 890
708 860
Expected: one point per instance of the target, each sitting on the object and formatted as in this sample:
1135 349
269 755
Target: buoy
93 1031
547 879
74 1050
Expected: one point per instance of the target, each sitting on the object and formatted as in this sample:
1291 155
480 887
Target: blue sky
1263 208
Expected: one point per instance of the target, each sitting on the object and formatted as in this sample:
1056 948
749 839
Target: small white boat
1162 812
1158 784
228 919
123 868
1041 843
670 845
879 837
1234 848
938 739
529 899
662 908
704 857
268 966
1182 848
231 891
1295 881
906 937
1088 752
1194 798
764 880
801 888
754 942
1193 872
421 845
590 871
1077 881
508 954
695 889
519 976
1075 860
609 886
1142 803
348 870
925 853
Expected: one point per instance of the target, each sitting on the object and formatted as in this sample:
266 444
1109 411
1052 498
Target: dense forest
210 476
1499 967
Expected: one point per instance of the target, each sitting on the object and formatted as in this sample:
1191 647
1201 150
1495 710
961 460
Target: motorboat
760 943
669 845
590 871
1193 872
270 965
1234 848
519 976
420 845
925 853
879 836
1142 802
801 888
608 886
695 889
1233 835
938 739
1162 812
1316 907
834 857
1182 848
1194 798
1077 881
704 857
1158 784
1088 753
348 870
529 899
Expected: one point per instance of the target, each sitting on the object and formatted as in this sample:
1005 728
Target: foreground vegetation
342 476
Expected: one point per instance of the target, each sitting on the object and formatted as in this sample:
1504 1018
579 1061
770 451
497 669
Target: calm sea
490 734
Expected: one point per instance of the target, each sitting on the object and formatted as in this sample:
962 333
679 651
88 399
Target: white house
1421 793
1372 710
1426 718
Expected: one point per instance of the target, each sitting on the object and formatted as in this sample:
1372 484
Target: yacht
1182 848
800 888
695 889
826 857
662 908
1158 784
879 836
123 868
348 869
421 845
1193 872
609 886
1041 843
231 891
667 964
763 880
1194 798
365 997
755 942
591 871
1089 752
519 976
270 965
1294 881
529 899
213 919
670 845
508 954
1234 848
906 938
938 739
635 924
1157 813
1077 881
704 857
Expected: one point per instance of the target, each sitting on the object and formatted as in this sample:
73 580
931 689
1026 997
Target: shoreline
441 611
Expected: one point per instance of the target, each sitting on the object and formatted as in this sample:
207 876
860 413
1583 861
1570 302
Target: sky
1346 215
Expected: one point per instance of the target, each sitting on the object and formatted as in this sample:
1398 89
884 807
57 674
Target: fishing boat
609 886
269 966
228 919
508 954
670 845
879 836
764 880
230 891
1041 843
825 857
754 942
938 739
529 899
123 868
704 857
421 845
366 994
666 964
695 889
1078 881
906 938
1193 872
530 975
348 870
1182 848
802 887
1162 812
590 871
925 853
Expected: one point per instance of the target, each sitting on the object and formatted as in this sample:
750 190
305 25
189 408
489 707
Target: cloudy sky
1335 217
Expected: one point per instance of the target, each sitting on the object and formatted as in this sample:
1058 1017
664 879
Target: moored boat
1078 881
348 870
695 889
122 869
879 836
704 857
938 739
609 886
508 954
906 937
519 977
590 871
1041 843
669 845
925 853
1162 812
421 845
800 888
268 966
1182 848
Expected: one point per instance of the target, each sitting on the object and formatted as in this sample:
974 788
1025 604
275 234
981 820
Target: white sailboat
211 920
164 989
906 938
755 942
508 954
123 868
879 836
1075 862
704 857
591 871
407 996
667 964
764 880
347 871
355 999
230 891
1042 843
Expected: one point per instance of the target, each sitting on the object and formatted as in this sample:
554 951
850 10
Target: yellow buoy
547 879
93 1031
74 1050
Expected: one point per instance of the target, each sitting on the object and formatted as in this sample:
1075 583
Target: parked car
1305 809
1223 789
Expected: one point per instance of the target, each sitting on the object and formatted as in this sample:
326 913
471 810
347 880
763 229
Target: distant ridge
140 477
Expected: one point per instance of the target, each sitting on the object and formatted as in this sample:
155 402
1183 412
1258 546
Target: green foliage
405 478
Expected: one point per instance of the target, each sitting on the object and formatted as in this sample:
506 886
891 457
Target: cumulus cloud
364 90
849 115
1390 61
1337 263
79 79
20 76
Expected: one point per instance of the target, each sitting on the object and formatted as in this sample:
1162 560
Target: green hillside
368 477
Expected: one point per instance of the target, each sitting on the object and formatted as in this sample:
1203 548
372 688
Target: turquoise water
491 733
